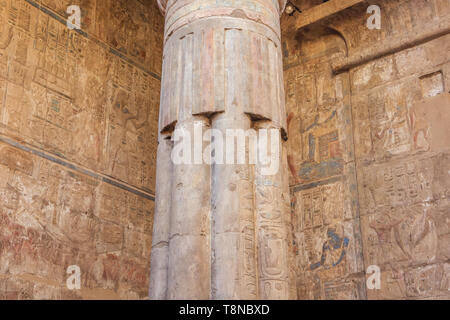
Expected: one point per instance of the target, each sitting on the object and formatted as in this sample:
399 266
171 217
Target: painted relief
57 85
394 133
78 126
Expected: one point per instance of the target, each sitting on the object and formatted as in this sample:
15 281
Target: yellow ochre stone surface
365 173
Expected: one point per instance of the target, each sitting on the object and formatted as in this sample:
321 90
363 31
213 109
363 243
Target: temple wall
368 114
368 149
78 139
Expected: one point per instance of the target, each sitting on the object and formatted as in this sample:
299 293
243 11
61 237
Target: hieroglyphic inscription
271 205
52 218
72 96
57 96
326 243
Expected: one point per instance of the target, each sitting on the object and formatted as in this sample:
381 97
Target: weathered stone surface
223 67
91 97
78 128
189 235
161 232
366 169
381 180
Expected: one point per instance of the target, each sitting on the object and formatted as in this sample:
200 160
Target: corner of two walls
369 153
78 135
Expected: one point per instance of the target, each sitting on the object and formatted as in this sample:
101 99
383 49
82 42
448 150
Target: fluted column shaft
227 236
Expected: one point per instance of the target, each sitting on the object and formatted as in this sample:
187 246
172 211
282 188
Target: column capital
163 5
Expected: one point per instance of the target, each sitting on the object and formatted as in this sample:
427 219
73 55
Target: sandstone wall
368 114
78 136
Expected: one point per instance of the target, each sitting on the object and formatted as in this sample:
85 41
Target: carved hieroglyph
369 150
78 131
222 67
91 97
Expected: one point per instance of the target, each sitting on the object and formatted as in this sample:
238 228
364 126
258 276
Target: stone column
228 238
161 222
272 206
233 249
189 243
